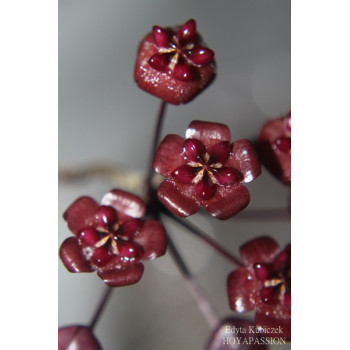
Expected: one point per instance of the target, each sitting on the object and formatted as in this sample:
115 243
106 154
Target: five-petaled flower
111 238
264 284
274 147
174 64
205 170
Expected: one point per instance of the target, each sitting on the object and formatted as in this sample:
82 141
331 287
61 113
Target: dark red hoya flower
274 147
174 64
265 285
205 170
111 238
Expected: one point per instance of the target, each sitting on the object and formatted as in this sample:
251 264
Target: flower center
205 169
275 279
176 52
109 239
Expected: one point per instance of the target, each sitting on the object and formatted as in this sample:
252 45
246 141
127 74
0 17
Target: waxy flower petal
262 249
203 171
244 158
184 72
161 37
126 204
208 133
185 174
227 201
242 289
168 155
178 198
72 256
187 33
111 238
81 213
201 55
152 239
122 276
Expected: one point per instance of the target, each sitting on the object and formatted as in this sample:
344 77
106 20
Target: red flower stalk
111 238
205 170
274 148
173 63
265 285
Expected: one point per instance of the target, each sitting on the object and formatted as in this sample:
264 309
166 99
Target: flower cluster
264 284
205 170
111 238
174 64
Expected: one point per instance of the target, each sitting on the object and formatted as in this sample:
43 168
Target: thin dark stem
201 299
99 309
156 136
205 238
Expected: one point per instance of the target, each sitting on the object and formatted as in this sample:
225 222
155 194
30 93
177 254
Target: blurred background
105 131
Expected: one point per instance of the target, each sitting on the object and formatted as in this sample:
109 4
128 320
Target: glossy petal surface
208 133
201 55
81 214
123 276
227 176
220 152
130 228
159 61
194 150
72 256
185 174
161 37
242 290
183 72
205 189
152 239
187 33
168 155
77 338
227 201
179 199
244 158
126 204
262 249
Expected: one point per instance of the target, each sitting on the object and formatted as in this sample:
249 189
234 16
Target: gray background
106 124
